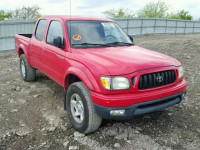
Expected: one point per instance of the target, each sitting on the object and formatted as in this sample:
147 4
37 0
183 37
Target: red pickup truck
105 75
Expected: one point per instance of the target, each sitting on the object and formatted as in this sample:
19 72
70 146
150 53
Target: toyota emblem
159 79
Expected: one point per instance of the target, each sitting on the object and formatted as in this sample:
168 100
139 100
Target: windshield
89 34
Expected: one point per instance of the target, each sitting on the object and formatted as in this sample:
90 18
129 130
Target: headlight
116 83
180 72
120 83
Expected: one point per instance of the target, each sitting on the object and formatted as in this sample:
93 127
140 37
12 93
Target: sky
95 8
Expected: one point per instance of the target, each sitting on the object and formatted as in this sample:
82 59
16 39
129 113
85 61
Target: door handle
61 57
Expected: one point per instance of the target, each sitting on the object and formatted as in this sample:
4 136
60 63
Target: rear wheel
80 108
28 73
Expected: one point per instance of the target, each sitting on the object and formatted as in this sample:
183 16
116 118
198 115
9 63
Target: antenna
70 9
70 13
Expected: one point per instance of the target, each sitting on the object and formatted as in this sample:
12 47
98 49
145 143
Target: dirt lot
32 115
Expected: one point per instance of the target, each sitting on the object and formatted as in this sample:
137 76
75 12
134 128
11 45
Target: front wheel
80 108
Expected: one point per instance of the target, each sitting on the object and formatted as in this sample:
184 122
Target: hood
125 60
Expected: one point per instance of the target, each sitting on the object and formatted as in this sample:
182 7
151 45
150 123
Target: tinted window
40 29
55 30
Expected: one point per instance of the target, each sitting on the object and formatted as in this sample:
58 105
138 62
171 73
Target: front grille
157 79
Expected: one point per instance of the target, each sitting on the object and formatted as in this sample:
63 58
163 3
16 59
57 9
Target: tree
26 13
157 9
4 15
182 14
154 10
120 13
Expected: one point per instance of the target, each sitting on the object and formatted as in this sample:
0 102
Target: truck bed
22 39
26 35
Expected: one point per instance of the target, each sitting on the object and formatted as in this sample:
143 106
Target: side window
39 33
55 31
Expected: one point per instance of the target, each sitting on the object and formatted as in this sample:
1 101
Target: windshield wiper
86 44
119 43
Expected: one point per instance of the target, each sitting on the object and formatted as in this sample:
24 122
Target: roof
67 18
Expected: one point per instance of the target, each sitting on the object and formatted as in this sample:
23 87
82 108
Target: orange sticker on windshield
76 37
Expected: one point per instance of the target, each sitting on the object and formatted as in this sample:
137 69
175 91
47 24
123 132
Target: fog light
183 95
117 112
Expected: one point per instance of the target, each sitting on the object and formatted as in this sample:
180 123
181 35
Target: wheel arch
74 74
22 50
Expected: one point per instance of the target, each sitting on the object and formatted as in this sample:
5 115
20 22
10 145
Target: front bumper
138 103
140 108
126 100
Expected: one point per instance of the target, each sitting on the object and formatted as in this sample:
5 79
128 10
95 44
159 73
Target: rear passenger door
54 56
36 44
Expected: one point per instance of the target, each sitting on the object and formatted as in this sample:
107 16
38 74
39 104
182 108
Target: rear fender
24 50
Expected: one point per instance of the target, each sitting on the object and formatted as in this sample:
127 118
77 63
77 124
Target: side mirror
131 38
57 41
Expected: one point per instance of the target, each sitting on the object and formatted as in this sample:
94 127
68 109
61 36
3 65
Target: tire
28 73
90 120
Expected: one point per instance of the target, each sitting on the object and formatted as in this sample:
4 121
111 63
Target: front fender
85 76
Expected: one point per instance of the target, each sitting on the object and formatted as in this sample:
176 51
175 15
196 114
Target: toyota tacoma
104 74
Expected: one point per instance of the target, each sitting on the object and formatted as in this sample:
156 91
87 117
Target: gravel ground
32 115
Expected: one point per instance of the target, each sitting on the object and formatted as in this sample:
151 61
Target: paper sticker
76 37
108 24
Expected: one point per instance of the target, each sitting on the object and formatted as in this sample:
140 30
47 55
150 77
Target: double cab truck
104 74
